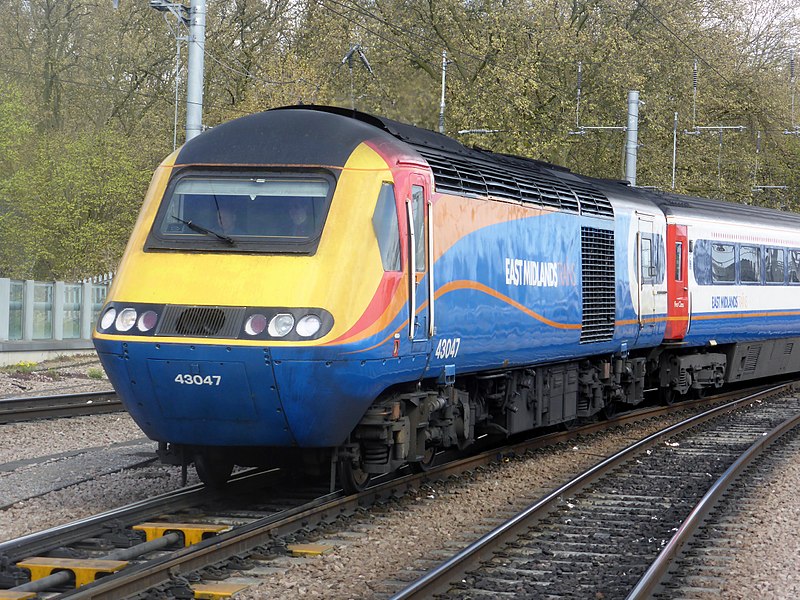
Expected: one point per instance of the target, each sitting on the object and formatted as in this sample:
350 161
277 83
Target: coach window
774 265
723 263
384 222
794 266
750 264
678 261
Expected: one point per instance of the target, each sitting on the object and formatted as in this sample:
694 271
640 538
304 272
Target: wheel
699 393
667 396
571 424
353 479
609 411
213 468
426 463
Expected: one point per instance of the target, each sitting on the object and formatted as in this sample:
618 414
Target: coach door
647 253
420 253
677 282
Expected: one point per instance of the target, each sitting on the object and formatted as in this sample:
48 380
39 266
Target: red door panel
677 283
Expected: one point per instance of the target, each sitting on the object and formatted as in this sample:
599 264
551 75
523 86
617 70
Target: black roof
474 171
317 138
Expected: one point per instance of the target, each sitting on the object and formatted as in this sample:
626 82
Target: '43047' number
447 348
187 379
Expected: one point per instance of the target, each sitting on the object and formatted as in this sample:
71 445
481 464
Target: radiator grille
202 321
598 285
510 180
751 359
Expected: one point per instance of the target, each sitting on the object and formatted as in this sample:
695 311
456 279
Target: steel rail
655 574
75 531
31 408
43 541
439 579
138 578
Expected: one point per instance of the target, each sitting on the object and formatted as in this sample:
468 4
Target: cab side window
385 224
418 201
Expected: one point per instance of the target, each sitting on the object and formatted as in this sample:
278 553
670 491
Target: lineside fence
33 313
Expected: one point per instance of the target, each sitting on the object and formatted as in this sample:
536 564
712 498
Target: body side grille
467 176
598 283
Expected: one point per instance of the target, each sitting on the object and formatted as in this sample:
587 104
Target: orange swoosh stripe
474 285
747 315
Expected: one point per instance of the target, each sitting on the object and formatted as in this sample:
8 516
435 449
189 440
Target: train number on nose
447 348
187 379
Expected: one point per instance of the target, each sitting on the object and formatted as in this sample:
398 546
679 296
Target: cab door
677 282
419 215
647 272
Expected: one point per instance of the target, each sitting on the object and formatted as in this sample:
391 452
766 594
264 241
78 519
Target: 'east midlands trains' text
537 273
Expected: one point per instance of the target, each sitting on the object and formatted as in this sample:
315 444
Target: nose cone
199 395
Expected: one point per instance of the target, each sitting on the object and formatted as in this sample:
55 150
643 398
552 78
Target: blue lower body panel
203 395
742 327
234 396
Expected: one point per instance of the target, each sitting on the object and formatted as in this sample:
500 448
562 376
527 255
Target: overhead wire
355 5
110 89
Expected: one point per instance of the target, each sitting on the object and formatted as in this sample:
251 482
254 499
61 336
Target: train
318 287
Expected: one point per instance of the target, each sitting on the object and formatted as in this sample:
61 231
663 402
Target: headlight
108 318
308 325
126 319
256 324
147 321
280 325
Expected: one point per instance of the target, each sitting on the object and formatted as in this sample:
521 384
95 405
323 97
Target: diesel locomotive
314 285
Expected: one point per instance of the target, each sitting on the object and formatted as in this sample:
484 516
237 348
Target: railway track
597 535
62 405
697 560
259 524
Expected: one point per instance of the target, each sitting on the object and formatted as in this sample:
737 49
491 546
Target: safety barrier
41 319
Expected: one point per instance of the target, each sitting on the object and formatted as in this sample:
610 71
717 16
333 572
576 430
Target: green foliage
23 367
95 373
15 128
86 95
69 212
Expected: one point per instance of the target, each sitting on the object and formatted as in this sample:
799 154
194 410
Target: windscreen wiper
206 230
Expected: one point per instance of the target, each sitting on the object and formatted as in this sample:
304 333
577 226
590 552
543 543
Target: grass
95 373
23 367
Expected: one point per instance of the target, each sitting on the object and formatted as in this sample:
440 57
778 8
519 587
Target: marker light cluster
254 323
127 318
282 324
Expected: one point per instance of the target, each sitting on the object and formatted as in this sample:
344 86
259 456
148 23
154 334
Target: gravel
446 516
63 375
397 545
87 499
38 454
393 544
33 439
767 565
